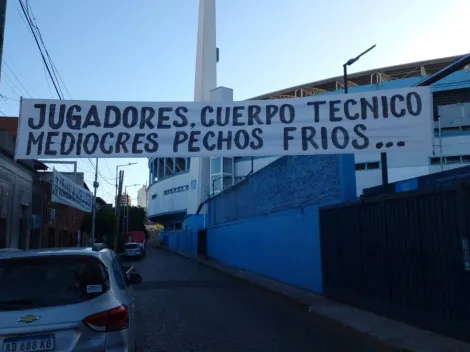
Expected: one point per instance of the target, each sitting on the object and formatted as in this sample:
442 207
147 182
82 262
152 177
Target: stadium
180 187
174 185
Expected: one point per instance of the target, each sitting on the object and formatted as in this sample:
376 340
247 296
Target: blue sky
144 50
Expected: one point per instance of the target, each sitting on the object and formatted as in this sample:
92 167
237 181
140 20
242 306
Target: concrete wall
268 224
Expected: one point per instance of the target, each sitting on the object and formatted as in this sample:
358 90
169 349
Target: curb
270 285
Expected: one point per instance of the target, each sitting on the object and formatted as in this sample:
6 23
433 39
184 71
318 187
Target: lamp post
349 63
117 202
383 156
125 223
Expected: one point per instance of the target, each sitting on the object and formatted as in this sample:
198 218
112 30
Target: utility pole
117 178
126 231
117 226
125 222
95 186
3 13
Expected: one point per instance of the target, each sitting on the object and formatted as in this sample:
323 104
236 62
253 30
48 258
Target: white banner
65 191
389 120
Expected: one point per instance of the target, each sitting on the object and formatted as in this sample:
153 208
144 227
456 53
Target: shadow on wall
269 223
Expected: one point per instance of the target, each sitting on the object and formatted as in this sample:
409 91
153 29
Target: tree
104 226
137 219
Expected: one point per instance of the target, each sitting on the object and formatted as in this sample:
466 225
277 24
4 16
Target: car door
126 293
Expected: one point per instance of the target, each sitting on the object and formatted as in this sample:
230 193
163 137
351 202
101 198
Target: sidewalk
398 335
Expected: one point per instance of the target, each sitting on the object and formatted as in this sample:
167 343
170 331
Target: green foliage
105 221
137 219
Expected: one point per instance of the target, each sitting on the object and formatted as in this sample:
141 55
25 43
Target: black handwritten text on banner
377 121
66 191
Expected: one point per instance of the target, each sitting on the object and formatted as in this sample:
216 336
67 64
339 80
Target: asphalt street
186 306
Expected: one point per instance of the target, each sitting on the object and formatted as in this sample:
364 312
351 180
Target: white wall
174 202
142 196
403 166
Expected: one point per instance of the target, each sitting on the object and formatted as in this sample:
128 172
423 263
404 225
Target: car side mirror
134 278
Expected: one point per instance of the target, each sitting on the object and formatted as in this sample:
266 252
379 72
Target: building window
373 165
180 164
227 182
465 158
221 173
228 165
451 159
169 167
165 167
216 165
216 184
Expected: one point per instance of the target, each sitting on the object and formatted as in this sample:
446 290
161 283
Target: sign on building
388 120
65 191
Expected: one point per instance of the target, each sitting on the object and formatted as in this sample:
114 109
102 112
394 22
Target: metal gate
404 256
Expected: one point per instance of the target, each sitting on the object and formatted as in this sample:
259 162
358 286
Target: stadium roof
408 74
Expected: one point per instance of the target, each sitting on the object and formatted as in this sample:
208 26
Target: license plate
29 344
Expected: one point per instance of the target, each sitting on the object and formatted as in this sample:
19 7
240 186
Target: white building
142 197
179 186
126 199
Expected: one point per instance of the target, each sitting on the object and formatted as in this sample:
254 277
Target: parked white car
67 299
133 250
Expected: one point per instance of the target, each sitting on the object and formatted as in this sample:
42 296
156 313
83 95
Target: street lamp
125 188
116 201
383 156
349 63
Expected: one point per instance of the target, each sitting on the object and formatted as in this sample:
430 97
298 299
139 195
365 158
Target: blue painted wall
185 240
269 224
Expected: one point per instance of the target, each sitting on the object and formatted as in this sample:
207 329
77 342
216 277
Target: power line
39 47
99 173
7 59
52 71
47 81
51 62
16 77
11 84
5 98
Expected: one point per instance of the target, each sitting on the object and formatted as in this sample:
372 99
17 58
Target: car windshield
50 281
131 245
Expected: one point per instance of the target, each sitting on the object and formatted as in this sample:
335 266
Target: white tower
206 55
205 82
